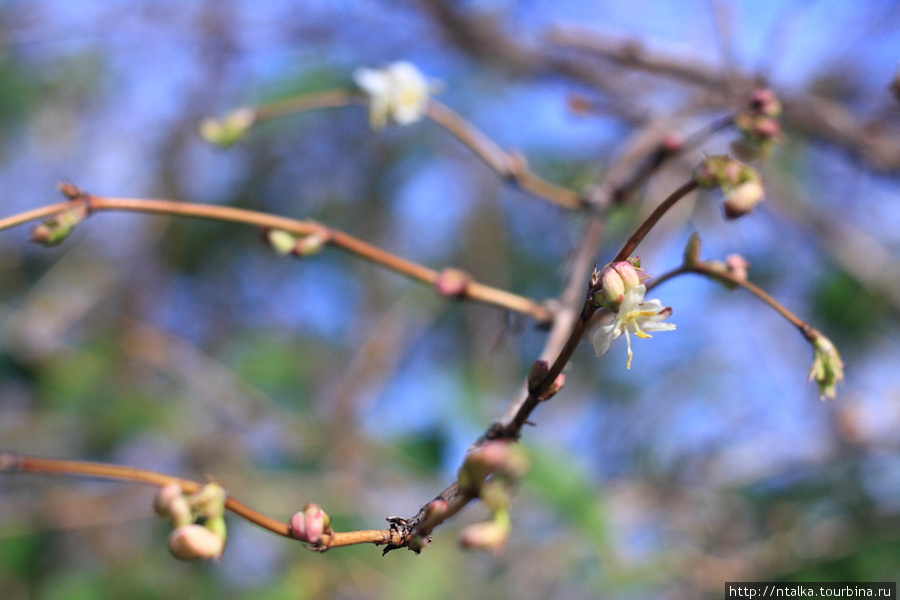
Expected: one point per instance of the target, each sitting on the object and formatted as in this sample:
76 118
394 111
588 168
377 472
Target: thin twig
11 462
508 167
702 268
638 236
475 291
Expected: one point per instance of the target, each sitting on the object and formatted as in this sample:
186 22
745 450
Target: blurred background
191 348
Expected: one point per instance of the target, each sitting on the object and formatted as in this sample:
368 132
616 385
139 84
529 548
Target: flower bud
827 368
496 494
616 279
171 502
57 229
281 241
692 250
209 502
488 535
70 190
539 370
192 542
712 172
672 143
737 266
436 509
496 456
765 102
164 498
557 385
452 283
743 199
310 524
230 129
311 244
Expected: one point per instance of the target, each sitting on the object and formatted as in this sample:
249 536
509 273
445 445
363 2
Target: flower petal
605 336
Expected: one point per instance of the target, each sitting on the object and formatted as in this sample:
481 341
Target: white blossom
634 316
398 91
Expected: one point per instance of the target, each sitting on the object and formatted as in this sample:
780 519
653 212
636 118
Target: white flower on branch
398 91
634 316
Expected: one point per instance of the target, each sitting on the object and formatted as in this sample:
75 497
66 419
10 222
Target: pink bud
452 283
500 456
192 542
436 508
673 142
164 498
738 266
765 102
616 279
558 383
310 524
767 128
171 502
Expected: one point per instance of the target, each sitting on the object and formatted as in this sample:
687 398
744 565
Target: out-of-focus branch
509 167
813 116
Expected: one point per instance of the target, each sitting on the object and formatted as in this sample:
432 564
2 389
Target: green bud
230 129
282 241
209 502
56 229
827 368
692 250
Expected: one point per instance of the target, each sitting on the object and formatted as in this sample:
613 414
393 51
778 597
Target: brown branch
510 425
473 290
638 236
11 462
306 102
507 166
704 269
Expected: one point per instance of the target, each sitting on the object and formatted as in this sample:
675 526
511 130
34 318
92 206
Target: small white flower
399 91
634 316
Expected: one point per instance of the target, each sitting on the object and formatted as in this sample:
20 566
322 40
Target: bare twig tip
9 461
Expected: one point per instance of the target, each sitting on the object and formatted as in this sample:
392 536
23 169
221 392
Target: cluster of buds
230 129
285 243
490 472
614 280
399 92
311 525
199 520
740 183
759 125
